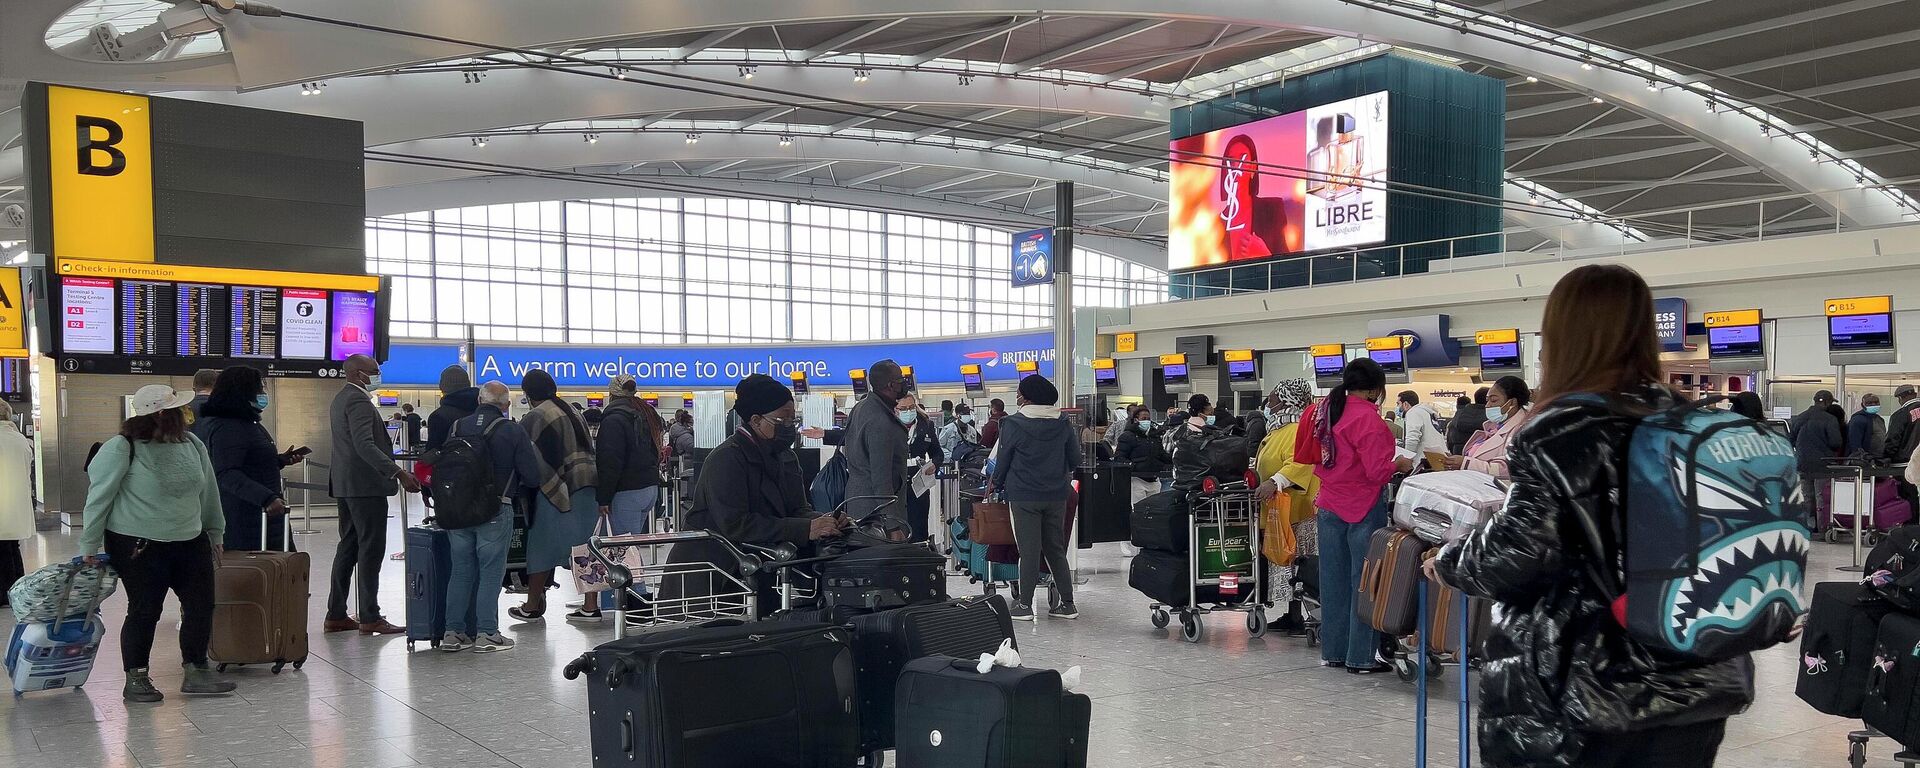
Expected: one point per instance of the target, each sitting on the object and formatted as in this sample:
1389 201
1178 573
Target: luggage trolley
733 594
1220 513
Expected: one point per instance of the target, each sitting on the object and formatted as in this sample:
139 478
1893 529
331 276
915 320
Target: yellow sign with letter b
100 158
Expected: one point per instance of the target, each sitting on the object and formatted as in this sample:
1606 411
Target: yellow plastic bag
1276 531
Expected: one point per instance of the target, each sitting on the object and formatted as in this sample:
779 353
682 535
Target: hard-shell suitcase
1160 522
47 655
429 562
1443 618
1440 507
888 576
724 694
260 607
949 714
1892 701
1387 599
884 642
1836 649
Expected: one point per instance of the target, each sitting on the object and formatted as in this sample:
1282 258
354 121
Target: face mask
786 434
260 402
1496 415
1145 424
1873 409
1209 419
907 417
966 418
373 380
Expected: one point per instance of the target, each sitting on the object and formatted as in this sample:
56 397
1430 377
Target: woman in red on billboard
1255 226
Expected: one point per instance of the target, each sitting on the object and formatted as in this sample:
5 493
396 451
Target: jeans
631 512
1040 531
148 569
477 565
1680 746
1344 637
363 548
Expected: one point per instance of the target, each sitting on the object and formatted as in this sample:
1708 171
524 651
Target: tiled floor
1230 701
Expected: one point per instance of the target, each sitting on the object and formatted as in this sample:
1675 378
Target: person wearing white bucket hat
154 506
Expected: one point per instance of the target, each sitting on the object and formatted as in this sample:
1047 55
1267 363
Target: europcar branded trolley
1225 569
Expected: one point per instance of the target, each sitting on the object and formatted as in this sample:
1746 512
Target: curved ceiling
967 102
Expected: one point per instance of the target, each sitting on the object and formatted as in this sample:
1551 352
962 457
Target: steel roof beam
1248 37
1078 47
838 42
953 182
972 40
704 42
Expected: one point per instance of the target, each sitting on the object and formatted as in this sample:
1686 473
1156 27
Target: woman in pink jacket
1356 461
1486 451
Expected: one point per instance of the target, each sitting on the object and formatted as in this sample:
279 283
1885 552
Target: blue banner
1670 322
1033 257
935 361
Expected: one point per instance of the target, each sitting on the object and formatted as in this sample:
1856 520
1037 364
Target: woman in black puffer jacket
1564 685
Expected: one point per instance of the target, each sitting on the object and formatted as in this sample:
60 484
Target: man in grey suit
364 475
876 444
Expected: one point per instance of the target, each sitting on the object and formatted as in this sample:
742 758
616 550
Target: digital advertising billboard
1301 182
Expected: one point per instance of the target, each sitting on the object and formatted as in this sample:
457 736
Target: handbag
992 523
1277 541
590 573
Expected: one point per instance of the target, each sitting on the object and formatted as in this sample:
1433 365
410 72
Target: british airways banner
934 361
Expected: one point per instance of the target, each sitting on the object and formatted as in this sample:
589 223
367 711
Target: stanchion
306 487
1420 705
1464 655
1860 502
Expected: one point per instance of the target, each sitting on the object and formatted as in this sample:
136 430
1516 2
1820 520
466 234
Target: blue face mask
260 402
1496 415
1873 409
1209 419
1145 424
908 417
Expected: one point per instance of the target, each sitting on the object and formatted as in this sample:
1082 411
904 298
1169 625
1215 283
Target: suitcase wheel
1257 622
1405 669
1161 618
300 663
1856 749
1191 627
223 668
279 665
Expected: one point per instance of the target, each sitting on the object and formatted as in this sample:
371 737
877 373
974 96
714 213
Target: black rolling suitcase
889 576
1836 650
1893 681
724 694
1164 577
949 714
884 642
1160 522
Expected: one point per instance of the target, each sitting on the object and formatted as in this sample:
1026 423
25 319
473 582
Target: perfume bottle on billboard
1338 157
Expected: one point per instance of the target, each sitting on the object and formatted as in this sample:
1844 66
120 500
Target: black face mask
785 435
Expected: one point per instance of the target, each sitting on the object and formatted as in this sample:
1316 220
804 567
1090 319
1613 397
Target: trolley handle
619 577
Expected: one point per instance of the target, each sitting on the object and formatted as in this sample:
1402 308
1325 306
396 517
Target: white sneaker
492 642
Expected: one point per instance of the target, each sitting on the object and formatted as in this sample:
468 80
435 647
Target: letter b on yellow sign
100 152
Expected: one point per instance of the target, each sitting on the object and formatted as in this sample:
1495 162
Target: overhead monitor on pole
1243 369
1106 378
1391 353
1328 361
1027 368
1734 341
1499 351
859 379
970 379
1173 373
1860 331
799 379
906 373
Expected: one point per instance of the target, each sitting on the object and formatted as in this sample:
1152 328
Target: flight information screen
164 319
1174 374
1242 371
1734 341
1501 356
1106 377
1857 332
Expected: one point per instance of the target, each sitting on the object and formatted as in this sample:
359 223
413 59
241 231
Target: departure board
144 307
165 319
198 319
254 322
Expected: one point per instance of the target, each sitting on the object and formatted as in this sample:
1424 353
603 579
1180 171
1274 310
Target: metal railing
1749 220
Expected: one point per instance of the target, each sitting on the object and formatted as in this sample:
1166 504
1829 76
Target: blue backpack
1711 534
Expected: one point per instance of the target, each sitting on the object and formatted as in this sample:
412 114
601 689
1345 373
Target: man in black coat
1468 417
1903 437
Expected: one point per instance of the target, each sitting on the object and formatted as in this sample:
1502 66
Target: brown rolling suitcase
1443 618
260 607
1389 596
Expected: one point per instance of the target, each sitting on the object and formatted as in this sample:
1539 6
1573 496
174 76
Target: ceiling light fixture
693 138
480 141
1586 63
1860 181
473 76
1712 106
746 73
1652 86
592 138
1766 130
1531 79
1598 100
618 72
966 79
861 75
786 141
1533 200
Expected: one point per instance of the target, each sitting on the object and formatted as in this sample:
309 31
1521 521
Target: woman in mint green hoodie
154 507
